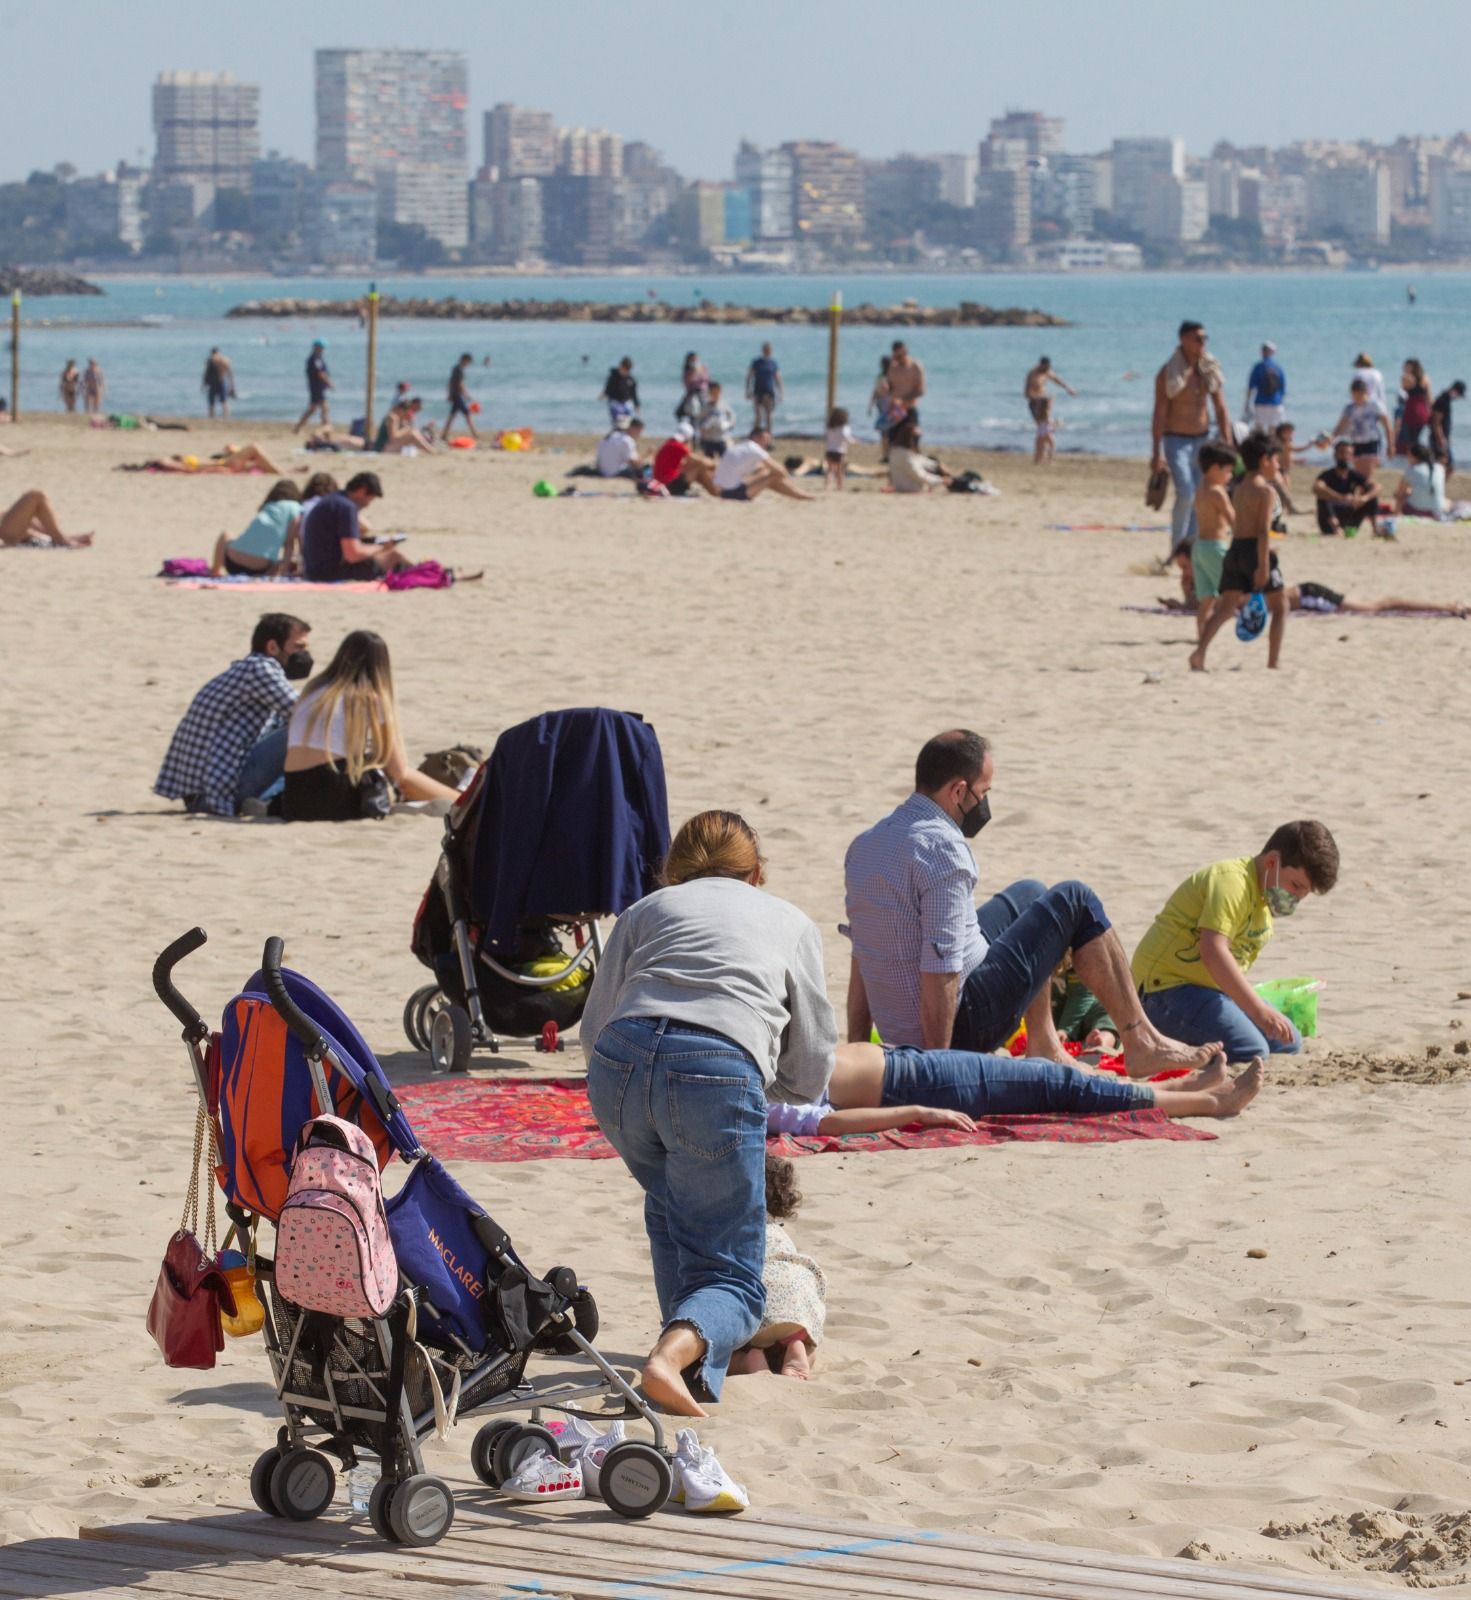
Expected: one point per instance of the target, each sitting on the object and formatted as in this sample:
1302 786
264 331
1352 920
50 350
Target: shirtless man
1186 389
1039 403
31 517
1251 563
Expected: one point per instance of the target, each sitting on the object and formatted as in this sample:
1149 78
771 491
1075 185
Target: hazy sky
920 75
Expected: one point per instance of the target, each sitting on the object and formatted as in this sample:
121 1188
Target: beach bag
184 1315
184 567
421 575
333 1252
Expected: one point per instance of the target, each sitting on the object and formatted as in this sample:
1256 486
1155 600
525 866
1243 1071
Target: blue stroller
469 1315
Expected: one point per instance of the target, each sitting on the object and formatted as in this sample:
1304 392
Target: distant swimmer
1410 293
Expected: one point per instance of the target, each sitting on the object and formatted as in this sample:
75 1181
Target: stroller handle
196 1029
295 1018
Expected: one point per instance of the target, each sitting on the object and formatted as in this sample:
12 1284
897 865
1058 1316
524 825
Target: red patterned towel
479 1119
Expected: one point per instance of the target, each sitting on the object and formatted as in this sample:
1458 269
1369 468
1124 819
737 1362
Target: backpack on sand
333 1253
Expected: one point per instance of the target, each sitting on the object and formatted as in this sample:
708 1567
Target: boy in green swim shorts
1215 518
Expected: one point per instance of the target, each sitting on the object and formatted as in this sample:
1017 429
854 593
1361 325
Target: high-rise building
1136 164
699 217
737 214
506 222
206 129
1450 205
1041 135
1065 191
1351 199
341 228
1003 211
589 153
578 218
957 178
827 191
520 143
767 174
278 196
1178 211
897 192
1223 183
108 207
396 118
1278 206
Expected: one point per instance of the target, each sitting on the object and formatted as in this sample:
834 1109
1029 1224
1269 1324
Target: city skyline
837 90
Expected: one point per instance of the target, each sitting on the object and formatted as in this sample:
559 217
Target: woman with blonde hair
710 994
344 746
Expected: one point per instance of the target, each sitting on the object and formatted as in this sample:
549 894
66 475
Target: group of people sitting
252 744
314 532
740 471
708 1024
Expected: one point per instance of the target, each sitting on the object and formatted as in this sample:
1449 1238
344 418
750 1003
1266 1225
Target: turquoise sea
548 375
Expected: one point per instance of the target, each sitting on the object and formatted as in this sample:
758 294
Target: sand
1068 1344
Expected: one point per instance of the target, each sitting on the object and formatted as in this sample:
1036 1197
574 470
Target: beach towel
1337 616
476 1119
276 585
1108 527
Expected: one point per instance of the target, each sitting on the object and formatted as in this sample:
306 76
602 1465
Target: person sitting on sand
747 469
344 739
233 458
1319 597
1421 491
400 430
796 1289
266 547
1346 493
31 521
231 743
1191 966
931 970
910 470
333 546
709 996
678 468
618 452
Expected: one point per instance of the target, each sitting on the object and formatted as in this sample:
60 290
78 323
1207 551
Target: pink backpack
333 1253
421 575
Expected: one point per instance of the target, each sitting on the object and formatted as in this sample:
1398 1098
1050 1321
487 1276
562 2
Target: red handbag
184 1314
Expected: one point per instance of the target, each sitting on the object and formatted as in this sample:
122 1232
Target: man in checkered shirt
929 969
231 745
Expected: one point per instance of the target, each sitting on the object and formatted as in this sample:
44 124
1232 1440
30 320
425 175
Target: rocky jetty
42 280
968 314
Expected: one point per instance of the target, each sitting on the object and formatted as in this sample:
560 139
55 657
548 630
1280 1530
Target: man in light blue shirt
929 969
1266 391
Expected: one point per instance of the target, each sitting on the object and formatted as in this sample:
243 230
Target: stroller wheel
519 1441
482 1449
260 1481
302 1485
380 1504
415 1010
635 1479
421 1510
450 1043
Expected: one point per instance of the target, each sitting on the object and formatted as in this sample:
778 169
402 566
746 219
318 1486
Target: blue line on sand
664 1580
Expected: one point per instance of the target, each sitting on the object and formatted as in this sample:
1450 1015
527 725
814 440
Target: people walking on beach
620 390
1440 422
1415 407
1373 378
694 389
878 403
906 381
715 423
1251 565
1039 404
218 382
69 384
461 402
1215 516
764 389
318 382
1186 388
1266 391
94 388
1363 421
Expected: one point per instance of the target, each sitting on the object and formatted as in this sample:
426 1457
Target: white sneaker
590 1456
700 1482
543 1477
574 1434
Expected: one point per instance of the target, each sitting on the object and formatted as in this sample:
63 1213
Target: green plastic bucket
1296 999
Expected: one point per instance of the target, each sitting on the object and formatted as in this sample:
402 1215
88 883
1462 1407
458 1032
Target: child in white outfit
839 437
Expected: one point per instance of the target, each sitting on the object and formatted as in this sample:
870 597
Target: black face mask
977 817
298 664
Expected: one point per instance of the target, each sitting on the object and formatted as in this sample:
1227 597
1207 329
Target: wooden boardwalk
499 1551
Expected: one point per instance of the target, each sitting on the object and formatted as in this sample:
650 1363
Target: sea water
547 375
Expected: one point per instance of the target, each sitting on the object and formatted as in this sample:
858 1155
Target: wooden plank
87 1574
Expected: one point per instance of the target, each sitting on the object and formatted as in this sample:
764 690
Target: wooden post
15 355
372 363
835 317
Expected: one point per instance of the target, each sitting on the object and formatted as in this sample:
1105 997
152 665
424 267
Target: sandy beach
1047 1342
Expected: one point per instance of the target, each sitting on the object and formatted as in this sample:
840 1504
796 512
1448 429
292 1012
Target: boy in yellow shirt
1191 966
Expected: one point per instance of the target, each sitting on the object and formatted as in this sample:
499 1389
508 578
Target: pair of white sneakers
700 1482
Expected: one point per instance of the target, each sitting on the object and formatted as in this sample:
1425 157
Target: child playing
1044 447
839 437
1251 565
715 423
1191 966
1215 518
796 1290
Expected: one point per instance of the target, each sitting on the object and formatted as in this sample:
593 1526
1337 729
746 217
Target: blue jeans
264 774
1194 1014
1029 929
989 1086
686 1109
1182 456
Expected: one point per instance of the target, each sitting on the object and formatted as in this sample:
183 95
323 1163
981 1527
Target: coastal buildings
1449 188
520 143
767 176
206 129
106 210
1136 164
1350 200
1176 210
827 192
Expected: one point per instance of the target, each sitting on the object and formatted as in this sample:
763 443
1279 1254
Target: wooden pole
372 363
835 317
15 355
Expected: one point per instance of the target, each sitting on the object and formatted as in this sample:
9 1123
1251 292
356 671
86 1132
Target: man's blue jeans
264 774
1182 457
1029 929
999 1086
1194 1014
686 1109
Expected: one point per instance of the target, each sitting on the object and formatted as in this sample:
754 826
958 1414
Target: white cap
685 432
1269 347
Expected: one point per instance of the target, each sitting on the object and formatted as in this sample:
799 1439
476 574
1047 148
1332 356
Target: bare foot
745 1361
1212 1076
1197 661
1237 1096
1156 1053
796 1362
664 1384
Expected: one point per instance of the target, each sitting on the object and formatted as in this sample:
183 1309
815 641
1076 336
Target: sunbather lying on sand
31 521
1319 597
233 458
873 1089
